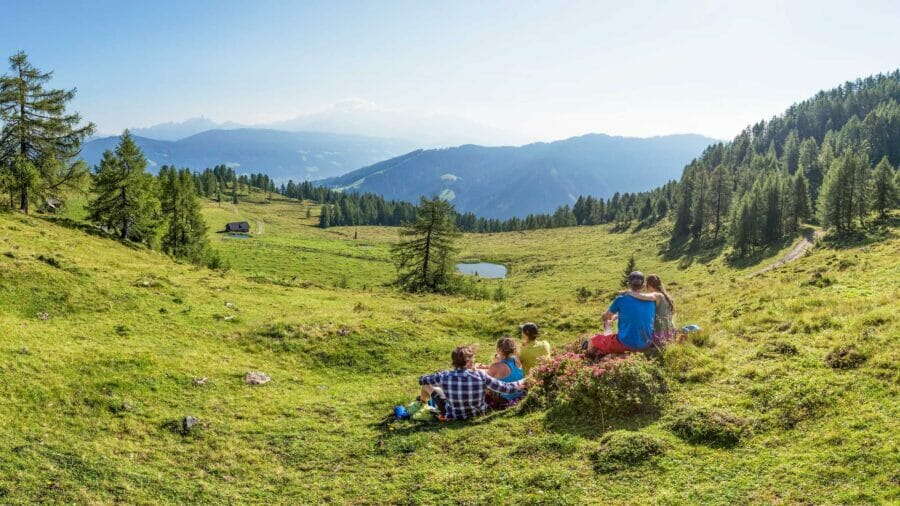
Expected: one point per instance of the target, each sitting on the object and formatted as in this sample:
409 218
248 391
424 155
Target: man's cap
636 276
529 327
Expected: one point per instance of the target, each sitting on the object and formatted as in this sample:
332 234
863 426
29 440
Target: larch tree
885 193
720 197
39 139
424 255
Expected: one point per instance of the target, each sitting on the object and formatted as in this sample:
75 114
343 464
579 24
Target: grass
92 411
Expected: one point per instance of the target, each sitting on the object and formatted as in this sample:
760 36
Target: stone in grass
43 315
257 378
199 382
622 449
188 423
24 350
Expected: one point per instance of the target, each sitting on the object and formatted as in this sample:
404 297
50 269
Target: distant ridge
282 155
501 182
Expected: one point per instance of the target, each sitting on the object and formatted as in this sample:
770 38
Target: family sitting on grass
645 320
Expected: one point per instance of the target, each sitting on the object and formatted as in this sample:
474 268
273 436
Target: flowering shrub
610 388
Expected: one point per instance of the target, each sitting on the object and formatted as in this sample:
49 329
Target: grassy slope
85 414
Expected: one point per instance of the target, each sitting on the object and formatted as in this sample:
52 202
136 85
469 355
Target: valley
104 345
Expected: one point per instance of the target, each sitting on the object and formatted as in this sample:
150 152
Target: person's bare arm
607 316
649 297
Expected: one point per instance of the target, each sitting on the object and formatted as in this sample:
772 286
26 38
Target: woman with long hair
507 368
664 330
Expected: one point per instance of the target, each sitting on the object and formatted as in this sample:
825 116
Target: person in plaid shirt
459 394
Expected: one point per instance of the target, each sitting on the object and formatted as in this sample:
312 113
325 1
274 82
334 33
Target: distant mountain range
501 182
282 155
355 117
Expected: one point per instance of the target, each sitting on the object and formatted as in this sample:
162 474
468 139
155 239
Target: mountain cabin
238 226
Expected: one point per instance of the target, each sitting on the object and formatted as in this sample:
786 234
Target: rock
199 382
257 378
187 423
24 350
344 332
43 315
228 318
230 305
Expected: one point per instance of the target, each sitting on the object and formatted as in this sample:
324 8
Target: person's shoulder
545 344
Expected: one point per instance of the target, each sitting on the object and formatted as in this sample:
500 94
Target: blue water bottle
400 412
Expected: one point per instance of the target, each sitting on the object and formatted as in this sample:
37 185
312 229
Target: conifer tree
185 231
325 216
125 196
885 195
39 138
630 267
427 246
799 201
234 188
720 196
700 209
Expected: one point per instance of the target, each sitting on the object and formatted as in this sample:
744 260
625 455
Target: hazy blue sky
545 69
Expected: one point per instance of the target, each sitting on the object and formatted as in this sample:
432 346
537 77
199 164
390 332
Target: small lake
237 236
483 269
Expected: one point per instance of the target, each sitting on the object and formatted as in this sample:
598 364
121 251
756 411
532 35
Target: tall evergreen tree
885 195
799 201
39 139
720 197
425 252
185 231
125 196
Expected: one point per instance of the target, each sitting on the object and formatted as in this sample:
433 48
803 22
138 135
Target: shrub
611 388
788 401
818 280
777 348
687 364
845 357
50 260
622 449
710 427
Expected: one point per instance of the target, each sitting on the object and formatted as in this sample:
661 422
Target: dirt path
796 252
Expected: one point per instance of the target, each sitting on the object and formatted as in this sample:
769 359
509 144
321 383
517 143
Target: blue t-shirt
635 321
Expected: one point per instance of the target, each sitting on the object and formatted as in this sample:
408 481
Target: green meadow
105 347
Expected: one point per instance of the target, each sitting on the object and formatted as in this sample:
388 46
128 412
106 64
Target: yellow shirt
532 352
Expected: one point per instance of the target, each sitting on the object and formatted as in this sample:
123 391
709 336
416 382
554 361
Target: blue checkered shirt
464 389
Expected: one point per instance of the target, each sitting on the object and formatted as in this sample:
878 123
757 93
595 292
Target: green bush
788 401
710 427
774 349
612 388
622 449
845 357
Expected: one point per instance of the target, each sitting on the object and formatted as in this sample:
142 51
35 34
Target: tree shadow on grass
89 229
879 231
687 252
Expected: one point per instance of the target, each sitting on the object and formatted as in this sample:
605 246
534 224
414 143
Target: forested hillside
831 159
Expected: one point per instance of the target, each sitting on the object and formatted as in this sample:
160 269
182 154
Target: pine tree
700 208
885 195
234 188
185 231
630 267
125 195
39 139
426 249
791 153
325 217
809 164
720 197
799 201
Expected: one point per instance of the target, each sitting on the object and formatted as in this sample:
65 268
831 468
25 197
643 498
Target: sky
544 70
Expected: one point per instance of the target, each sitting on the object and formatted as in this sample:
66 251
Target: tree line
830 160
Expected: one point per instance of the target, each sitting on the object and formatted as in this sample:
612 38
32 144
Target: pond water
237 236
483 269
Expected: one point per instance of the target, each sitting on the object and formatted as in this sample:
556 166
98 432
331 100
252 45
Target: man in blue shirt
635 322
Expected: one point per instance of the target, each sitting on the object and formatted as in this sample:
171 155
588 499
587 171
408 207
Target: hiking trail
799 249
